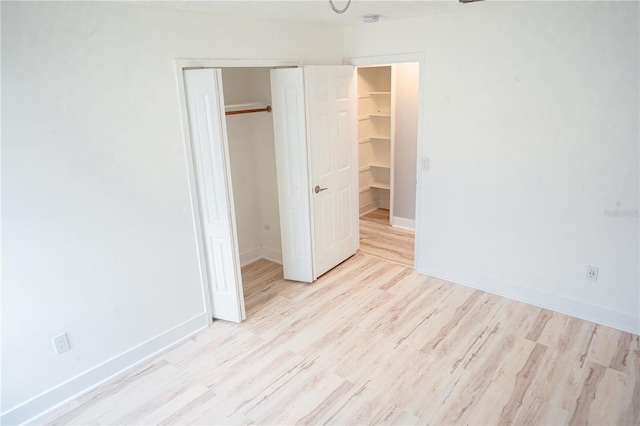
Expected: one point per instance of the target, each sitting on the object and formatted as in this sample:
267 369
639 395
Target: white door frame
396 59
180 65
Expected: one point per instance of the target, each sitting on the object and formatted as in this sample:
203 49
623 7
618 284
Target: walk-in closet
387 140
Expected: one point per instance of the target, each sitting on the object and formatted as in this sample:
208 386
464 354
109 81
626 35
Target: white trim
236 63
368 207
250 256
421 143
257 253
401 222
575 308
84 382
385 59
272 255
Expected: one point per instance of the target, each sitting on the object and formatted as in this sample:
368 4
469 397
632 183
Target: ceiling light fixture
339 11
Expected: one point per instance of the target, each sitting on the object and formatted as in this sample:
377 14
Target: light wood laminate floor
373 342
379 239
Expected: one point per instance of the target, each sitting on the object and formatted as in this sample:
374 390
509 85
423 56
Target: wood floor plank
373 342
379 239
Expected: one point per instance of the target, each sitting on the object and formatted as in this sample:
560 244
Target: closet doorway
388 110
204 127
236 196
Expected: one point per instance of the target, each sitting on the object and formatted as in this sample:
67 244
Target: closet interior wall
406 90
253 165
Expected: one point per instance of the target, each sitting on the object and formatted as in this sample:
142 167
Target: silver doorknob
318 189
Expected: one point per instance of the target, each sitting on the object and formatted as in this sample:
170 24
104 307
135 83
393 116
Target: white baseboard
250 256
272 255
368 208
89 380
255 254
401 222
374 205
575 308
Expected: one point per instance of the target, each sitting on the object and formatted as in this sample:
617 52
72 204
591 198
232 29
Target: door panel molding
332 128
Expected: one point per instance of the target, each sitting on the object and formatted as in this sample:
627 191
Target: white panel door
332 133
205 107
288 107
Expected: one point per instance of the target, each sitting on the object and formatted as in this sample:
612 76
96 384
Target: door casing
396 59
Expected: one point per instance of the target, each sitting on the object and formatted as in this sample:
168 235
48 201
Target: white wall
406 91
97 237
253 165
531 123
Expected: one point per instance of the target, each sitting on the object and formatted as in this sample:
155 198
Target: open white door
332 129
205 108
314 113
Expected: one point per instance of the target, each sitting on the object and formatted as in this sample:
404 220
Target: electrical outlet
61 343
592 273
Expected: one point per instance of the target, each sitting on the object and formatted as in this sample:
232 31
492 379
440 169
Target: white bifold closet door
314 114
209 151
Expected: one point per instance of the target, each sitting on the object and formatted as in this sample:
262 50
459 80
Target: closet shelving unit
375 137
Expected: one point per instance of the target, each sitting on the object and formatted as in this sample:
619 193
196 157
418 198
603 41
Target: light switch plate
426 163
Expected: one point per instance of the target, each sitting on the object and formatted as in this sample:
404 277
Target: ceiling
319 11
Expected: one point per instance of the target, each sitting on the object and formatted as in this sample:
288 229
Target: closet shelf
380 114
370 94
374 138
380 165
374 165
363 117
380 185
379 138
376 185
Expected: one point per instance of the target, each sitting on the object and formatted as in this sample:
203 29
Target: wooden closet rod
248 111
